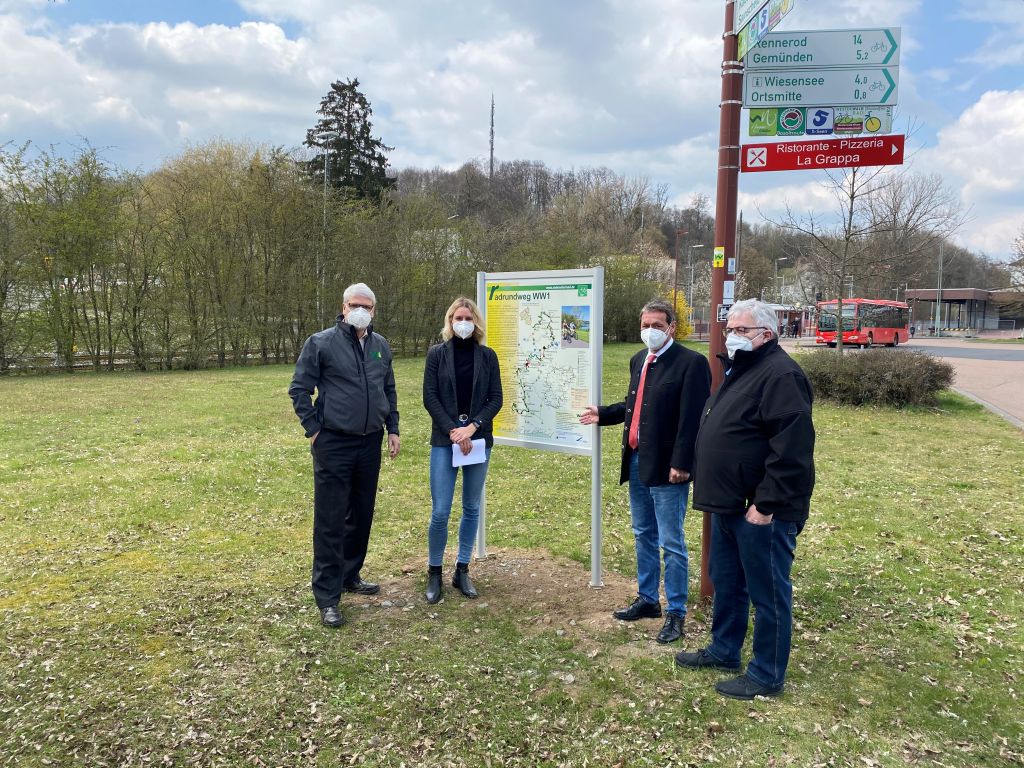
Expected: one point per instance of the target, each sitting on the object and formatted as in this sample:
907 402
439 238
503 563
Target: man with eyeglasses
754 472
349 368
668 385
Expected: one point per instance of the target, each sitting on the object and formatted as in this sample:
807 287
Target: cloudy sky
628 84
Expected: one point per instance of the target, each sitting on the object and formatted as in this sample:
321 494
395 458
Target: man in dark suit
668 385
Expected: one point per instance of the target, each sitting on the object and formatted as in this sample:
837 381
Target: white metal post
481 529
597 345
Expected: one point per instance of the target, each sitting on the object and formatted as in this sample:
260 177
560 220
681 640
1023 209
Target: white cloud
629 84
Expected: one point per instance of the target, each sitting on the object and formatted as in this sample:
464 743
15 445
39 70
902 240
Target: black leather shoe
640 609
703 660
331 616
434 591
462 583
672 629
743 687
361 587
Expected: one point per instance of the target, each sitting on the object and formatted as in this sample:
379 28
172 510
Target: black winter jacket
675 390
756 439
441 402
355 384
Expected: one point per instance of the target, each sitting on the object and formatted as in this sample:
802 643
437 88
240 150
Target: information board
546 329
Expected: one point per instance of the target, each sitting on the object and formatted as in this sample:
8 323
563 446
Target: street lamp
778 290
321 256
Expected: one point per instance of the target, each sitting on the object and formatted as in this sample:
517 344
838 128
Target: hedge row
877 376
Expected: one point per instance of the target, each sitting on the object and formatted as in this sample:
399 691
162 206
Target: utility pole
739 241
321 259
938 297
689 298
680 233
490 177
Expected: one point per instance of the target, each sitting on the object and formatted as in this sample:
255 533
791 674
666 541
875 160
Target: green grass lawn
155 608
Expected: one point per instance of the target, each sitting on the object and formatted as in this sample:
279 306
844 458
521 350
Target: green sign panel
859 86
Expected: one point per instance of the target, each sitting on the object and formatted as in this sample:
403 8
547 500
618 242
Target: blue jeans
658 512
442 491
751 564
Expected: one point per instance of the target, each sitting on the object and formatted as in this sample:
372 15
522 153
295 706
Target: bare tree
910 214
841 250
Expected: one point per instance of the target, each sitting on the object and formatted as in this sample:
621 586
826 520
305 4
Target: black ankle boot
433 593
461 581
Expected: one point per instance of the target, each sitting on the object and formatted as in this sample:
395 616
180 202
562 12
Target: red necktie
634 425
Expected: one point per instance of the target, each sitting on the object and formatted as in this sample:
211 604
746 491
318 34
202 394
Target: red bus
865 322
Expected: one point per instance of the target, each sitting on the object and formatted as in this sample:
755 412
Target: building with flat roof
973 309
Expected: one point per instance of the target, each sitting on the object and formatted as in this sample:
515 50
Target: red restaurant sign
823 153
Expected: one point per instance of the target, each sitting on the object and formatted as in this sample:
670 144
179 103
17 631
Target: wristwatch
478 424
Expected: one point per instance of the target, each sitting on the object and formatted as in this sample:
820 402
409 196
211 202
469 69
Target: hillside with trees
232 254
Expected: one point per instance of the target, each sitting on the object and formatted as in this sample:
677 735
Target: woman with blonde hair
462 394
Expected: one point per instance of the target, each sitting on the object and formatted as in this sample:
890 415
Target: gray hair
358 289
762 314
657 305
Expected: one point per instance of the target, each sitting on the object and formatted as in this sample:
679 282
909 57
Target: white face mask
735 342
358 318
654 338
463 328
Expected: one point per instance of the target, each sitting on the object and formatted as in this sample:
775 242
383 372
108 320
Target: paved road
976 351
990 374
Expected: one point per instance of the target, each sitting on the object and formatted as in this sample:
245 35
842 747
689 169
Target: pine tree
356 161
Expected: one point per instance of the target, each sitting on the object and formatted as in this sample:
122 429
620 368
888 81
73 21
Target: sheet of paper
478 455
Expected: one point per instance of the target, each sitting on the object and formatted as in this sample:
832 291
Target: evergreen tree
356 160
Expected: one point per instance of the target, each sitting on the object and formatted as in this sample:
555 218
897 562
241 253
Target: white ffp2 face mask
358 318
734 342
653 338
464 328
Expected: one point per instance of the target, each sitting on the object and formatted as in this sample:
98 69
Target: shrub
877 376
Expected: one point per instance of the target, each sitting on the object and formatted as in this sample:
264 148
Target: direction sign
861 86
826 48
823 153
761 24
744 11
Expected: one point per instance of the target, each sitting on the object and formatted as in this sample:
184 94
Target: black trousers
345 472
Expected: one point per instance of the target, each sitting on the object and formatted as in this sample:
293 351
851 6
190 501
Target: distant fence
40 364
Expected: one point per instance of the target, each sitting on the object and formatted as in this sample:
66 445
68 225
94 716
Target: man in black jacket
349 367
668 385
754 473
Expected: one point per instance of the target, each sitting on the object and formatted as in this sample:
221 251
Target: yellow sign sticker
719 260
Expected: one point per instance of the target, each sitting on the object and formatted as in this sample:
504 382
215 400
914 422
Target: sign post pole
725 230
597 342
481 529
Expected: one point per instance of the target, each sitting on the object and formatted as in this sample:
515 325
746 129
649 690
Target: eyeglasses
742 330
367 307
